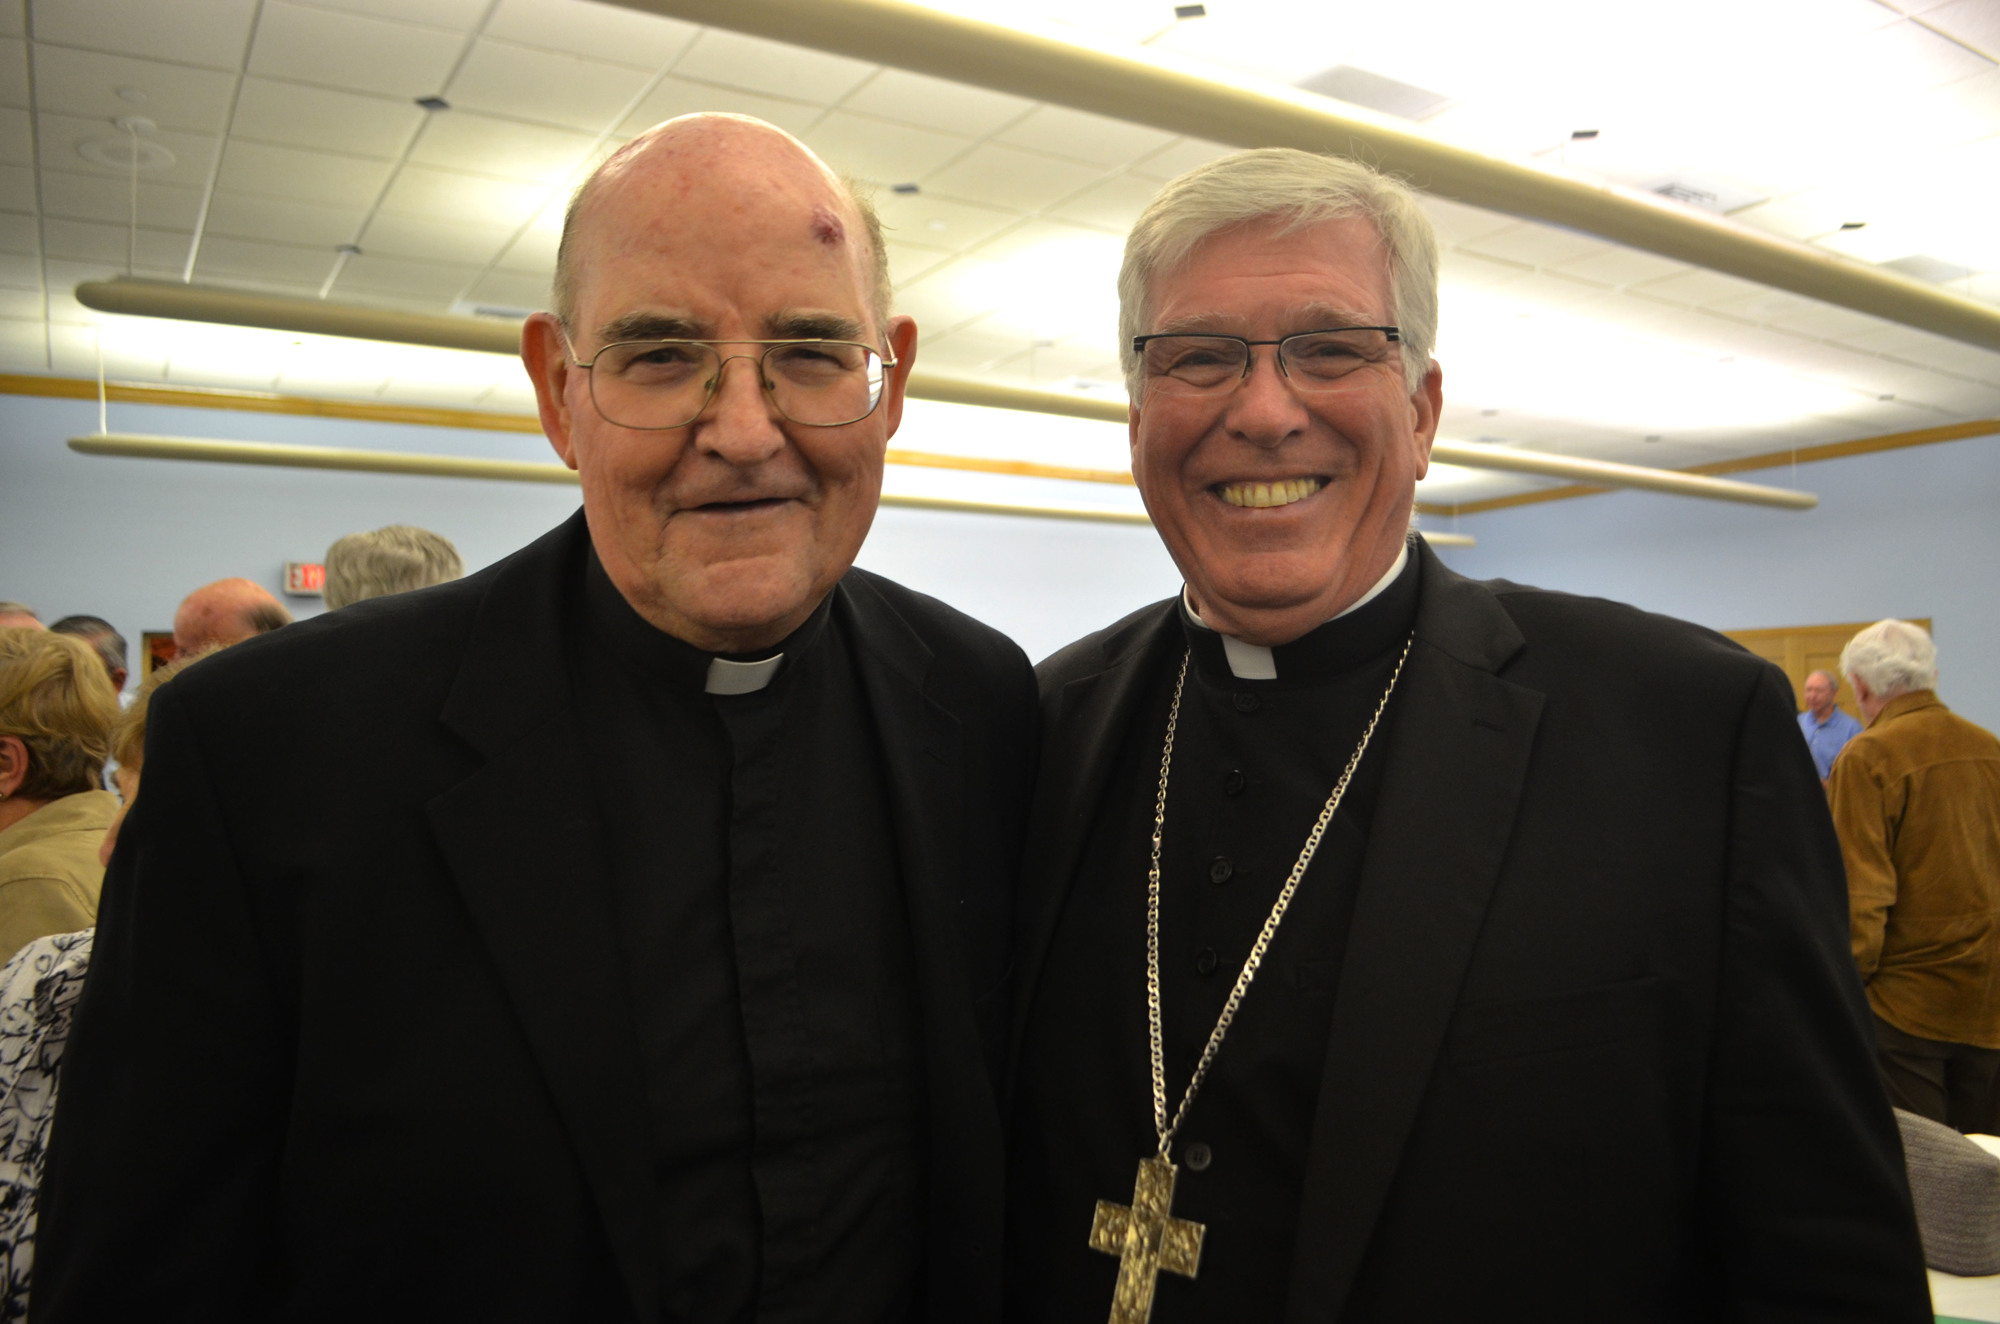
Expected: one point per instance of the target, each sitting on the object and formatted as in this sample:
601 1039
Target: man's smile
1263 495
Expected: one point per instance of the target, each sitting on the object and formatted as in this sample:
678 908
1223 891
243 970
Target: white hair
1894 657
394 559
1300 189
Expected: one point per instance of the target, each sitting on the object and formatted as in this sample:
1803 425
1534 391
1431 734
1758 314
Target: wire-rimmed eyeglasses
653 385
1310 360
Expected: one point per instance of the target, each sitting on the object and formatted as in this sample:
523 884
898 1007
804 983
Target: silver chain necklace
1145 1235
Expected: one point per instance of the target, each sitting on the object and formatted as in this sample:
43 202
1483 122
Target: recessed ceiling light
433 103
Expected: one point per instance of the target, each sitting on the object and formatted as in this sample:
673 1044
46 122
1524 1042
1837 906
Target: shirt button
1198 1157
1245 703
1232 782
1204 961
1220 869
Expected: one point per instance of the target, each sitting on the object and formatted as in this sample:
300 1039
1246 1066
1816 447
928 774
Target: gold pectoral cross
1147 1239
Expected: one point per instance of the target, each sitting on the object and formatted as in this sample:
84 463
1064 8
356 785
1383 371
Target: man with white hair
1371 913
396 558
1916 799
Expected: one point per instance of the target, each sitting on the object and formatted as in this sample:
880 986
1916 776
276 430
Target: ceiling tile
429 281
906 261
675 97
921 218
18 272
275 220
456 15
94 241
17 186
1700 288
510 289
966 352
896 94
323 120
508 149
87 83
210 34
1011 177
534 251
24 346
63 138
21 305
105 198
1455 222
287 172
1084 137
287 263
771 67
17 139
1621 266
1179 157
19 233
13 18
551 88
601 32
1535 245
881 151
1112 205
936 306
13 71
352 51
469 199
393 235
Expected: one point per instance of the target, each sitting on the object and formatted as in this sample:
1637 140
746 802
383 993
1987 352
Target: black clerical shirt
1254 761
767 951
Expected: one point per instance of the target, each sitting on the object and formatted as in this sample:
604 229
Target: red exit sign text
305 579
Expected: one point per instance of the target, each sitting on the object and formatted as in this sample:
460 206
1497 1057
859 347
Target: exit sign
305 579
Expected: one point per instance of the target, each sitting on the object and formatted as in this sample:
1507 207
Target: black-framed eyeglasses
653 385
1310 360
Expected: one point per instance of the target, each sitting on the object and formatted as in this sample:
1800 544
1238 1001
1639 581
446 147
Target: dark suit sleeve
158 1197
1803 1169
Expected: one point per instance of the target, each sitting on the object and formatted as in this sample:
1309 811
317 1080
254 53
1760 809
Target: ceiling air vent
1360 87
1708 194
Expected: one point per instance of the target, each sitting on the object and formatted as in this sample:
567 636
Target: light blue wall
1902 533
127 539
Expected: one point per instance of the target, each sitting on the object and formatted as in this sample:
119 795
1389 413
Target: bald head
225 612
688 151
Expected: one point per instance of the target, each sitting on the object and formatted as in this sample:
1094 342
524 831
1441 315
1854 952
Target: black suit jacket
357 1041
1598 1046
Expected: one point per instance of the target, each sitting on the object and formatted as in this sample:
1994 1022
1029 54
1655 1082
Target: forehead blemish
826 226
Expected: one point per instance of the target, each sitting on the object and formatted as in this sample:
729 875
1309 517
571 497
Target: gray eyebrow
647 326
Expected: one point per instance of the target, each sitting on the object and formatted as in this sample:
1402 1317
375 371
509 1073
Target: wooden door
1800 650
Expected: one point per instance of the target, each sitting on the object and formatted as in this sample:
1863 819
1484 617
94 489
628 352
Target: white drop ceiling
283 132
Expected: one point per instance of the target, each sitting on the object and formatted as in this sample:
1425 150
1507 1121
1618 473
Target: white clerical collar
1256 662
726 677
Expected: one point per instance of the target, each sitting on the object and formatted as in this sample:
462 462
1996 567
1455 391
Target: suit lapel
1084 726
518 839
923 754
1459 749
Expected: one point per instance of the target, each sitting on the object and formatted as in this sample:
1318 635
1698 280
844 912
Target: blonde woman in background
56 712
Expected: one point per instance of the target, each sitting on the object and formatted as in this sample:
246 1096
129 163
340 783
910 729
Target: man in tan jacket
1916 799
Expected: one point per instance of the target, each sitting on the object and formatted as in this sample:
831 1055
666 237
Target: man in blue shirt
1826 727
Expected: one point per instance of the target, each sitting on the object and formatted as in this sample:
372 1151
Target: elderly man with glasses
625 936
1383 955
